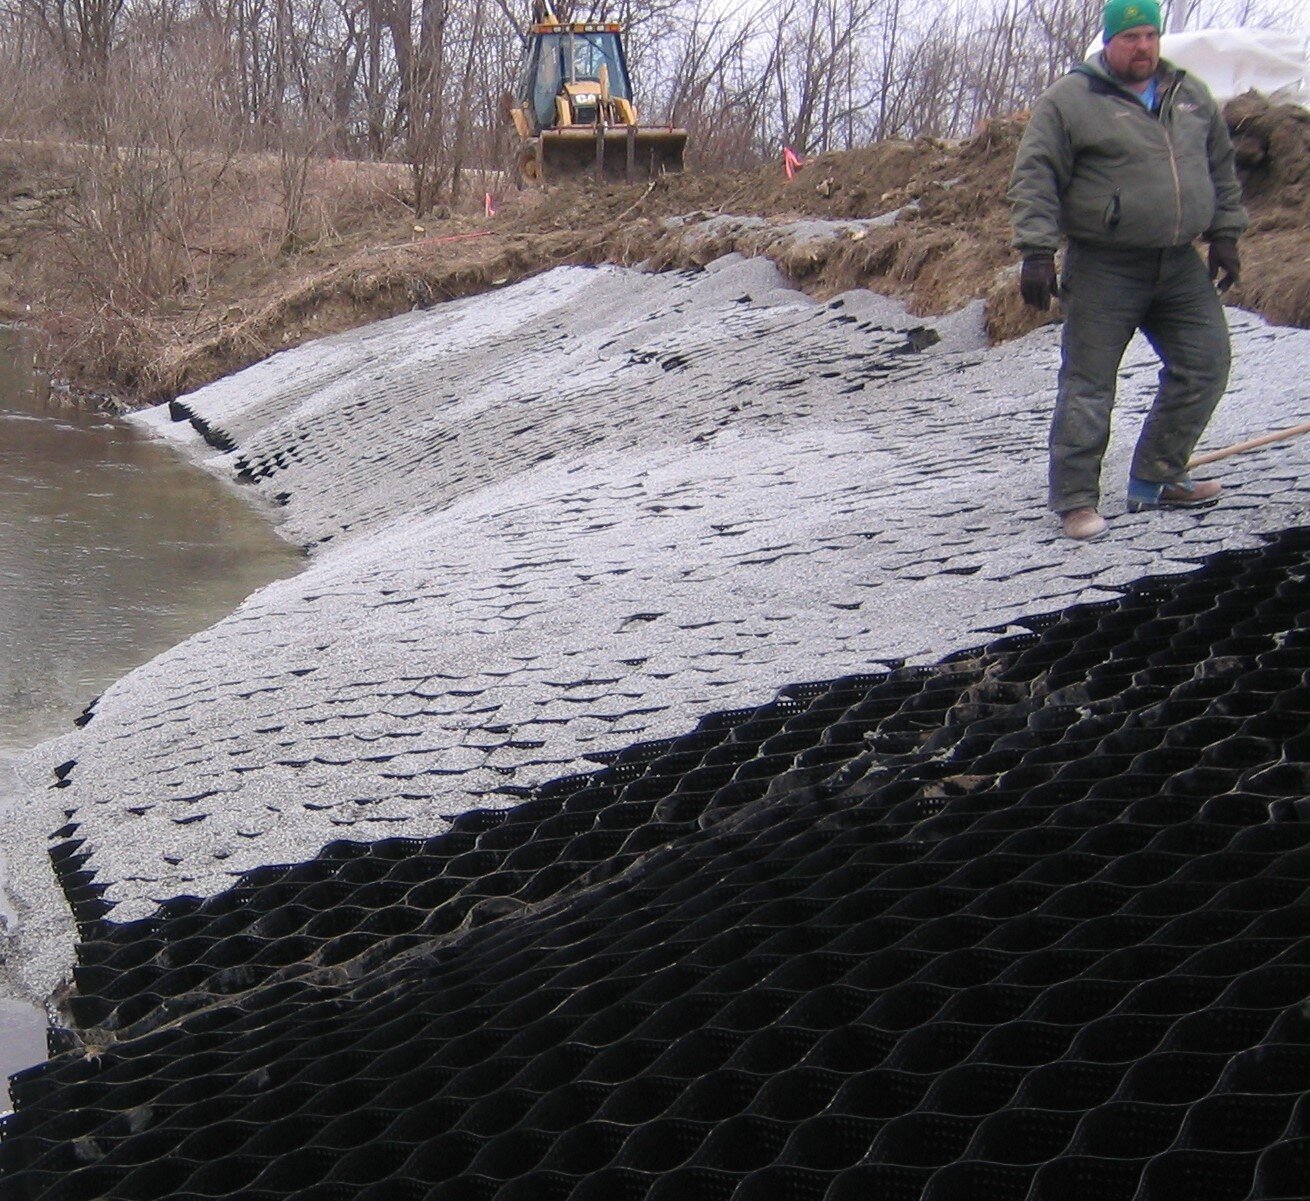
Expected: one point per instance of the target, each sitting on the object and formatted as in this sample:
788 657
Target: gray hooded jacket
1096 166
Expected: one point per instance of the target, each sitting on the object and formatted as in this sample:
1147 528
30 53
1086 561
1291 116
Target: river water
112 549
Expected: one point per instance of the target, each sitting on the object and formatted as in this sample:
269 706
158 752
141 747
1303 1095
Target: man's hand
1037 280
1224 259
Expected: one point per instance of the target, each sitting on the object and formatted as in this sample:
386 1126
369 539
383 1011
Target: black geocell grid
1031 923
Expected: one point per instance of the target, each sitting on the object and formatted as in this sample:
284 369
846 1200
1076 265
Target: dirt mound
950 241
944 242
949 234
1272 144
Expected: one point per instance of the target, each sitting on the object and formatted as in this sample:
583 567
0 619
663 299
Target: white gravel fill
582 512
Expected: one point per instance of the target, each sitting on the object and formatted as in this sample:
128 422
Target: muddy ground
948 246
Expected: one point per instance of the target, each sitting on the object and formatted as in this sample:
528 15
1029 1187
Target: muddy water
112 549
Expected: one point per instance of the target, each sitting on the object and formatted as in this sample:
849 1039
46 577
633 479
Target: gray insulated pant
1106 295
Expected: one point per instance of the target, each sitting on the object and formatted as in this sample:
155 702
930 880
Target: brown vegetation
201 277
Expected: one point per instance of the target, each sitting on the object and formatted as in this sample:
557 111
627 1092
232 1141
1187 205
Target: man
1127 157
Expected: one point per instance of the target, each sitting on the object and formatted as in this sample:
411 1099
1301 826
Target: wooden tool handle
1213 456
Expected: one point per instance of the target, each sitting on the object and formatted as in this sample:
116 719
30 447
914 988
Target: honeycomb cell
743 1143
830 1142
537 1186
923 1140
393 1188
1227 1029
157 1177
792 1095
1023 1136
614 1184
1120 1037
1023 1044
972 1089
662 1144
513 1153
1274 985
998 941
580 1151
1237 1122
1127 1129
1282 1170
646 1097
232 1173
566 1106
883 1093
693 1184
908 1005
374 1161
1202 1174
440 1157
773 1050
828 1007
1087 1178
969 1179
1172 1077
892 1181
784 1180
460 1188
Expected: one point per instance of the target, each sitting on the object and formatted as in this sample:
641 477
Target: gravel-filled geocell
1030 923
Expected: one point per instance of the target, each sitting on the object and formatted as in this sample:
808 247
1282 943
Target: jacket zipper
1178 191
1165 109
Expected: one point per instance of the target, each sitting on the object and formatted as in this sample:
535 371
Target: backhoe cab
574 113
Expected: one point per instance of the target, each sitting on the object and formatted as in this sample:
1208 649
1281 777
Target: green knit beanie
1129 14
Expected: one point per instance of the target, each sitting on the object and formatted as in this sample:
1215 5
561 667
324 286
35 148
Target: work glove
1037 280
1224 262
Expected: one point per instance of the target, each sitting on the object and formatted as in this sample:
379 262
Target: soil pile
947 244
1272 144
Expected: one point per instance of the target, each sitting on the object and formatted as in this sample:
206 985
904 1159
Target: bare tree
419 80
82 31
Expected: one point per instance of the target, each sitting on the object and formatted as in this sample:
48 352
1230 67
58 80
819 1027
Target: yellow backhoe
574 113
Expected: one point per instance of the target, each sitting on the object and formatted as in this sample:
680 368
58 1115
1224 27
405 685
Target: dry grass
144 256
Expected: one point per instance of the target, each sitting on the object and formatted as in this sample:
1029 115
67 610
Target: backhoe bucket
622 152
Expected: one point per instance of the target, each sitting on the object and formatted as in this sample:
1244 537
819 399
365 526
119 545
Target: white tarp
1233 61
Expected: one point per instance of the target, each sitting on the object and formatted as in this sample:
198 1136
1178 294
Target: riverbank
580 514
923 221
112 548
691 763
